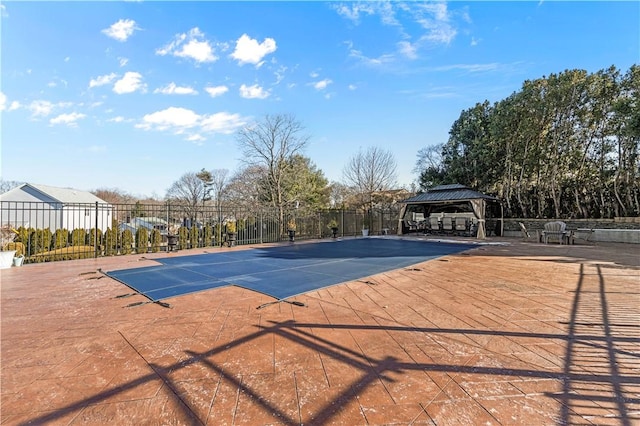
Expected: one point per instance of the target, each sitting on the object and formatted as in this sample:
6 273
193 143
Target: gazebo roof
442 193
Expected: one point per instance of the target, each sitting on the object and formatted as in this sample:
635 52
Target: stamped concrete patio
519 333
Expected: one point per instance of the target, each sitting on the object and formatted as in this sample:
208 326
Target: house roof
62 195
442 193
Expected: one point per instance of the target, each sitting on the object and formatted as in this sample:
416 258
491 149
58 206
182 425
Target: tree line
275 173
563 146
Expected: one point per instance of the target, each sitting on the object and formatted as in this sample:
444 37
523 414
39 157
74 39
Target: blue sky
132 95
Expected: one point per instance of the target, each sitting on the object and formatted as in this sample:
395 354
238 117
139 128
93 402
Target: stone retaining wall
621 230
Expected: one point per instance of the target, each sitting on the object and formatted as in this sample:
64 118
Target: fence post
95 234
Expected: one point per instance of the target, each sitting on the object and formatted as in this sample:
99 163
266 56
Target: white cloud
131 82
67 59
373 62
3 11
68 119
14 105
249 51
214 91
492 66
118 119
253 92
195 138
474 41
102 80
170 118
322 84
191 45
40 108
407 49
121 30
222 122
352 11
123 61
435 18
173 89
280 73
353 87
185 121
423 25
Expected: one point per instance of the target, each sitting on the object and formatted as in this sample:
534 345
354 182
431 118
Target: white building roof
62 195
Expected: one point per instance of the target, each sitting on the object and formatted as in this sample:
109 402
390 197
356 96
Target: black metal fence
58 231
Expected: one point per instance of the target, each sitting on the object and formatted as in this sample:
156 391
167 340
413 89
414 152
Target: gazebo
454 199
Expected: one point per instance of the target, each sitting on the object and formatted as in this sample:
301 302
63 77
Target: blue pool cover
282 271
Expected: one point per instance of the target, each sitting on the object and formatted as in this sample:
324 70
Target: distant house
42 206
149 223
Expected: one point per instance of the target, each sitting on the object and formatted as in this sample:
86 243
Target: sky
132 95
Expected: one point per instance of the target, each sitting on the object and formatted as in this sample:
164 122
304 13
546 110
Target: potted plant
291 229
231 233
7 247
172 237
333 225
365 225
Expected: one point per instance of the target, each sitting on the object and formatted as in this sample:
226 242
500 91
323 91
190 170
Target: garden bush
127 242
183 238
40 240
78 237
208 236
156 240
142 240
93 235
111 242
60 238
194 236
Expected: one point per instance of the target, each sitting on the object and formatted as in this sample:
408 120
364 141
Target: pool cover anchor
291 302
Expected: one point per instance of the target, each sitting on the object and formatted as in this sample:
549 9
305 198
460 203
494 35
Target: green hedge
127 242
142 240
156 240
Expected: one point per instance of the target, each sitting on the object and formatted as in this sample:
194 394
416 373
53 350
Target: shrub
111 242
79 237
142 240
156 240
95 234
23 234
127 241
40 240
194 235
60 238
183 237
24 237
208 236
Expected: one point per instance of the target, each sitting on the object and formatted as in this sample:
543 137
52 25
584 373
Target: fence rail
49 231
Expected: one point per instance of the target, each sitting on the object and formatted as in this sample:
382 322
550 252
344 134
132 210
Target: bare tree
219 182
8 185
270 144
187 192
245 188
114 195
370 172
